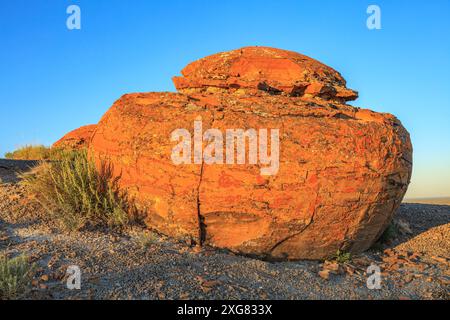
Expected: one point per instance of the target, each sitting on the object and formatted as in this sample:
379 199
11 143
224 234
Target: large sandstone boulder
76 139
342 173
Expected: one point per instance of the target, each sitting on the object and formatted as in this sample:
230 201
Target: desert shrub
15 276
30 152
36 152
146 239
77 193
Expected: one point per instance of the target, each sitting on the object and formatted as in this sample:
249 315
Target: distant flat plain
437 201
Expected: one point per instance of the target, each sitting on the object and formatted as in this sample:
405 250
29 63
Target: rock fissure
201 219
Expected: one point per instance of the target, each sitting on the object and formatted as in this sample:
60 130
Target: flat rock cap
253 69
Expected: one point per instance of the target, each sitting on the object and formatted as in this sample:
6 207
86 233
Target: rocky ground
139 264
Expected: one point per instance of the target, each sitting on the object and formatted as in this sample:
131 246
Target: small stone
324 274
331 266
409 278
404 227
161 296
210 284
184 296
196 249
414 256
440 259
350 271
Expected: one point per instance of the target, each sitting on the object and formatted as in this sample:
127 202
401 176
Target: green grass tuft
78 194
342 257
15 276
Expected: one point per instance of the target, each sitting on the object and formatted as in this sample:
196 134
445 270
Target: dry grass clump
31 152
147 239
77 194
15 276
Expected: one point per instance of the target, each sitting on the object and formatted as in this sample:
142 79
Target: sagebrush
15 276
78 193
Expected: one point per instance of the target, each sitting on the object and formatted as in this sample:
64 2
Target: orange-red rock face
251 69
342 174
77 139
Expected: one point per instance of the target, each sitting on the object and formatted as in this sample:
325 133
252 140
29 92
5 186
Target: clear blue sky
53 80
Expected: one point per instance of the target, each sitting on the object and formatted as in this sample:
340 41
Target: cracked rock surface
343 170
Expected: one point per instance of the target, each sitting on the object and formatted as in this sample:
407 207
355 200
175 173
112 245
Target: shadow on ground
11 169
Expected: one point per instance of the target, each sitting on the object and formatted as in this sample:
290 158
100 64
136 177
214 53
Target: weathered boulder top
252 69
77 139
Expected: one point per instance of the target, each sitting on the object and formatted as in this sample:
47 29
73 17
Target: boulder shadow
411 220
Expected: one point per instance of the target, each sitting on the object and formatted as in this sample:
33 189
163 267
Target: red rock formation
343 170
77 139
250 69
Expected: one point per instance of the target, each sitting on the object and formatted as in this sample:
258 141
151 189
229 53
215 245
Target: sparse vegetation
79 195
388 235
342 257
15 276
146 239
32 152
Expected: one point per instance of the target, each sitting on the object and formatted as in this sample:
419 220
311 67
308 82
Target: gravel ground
139 264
